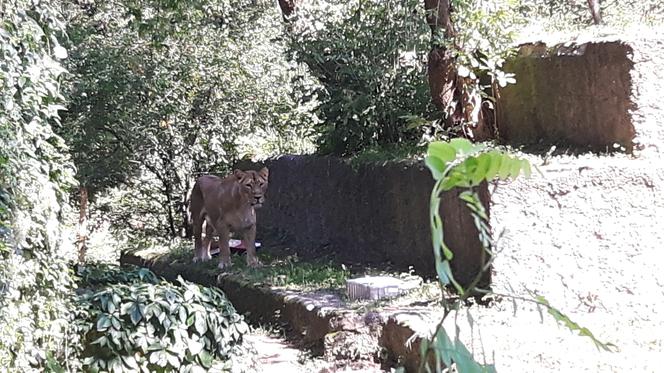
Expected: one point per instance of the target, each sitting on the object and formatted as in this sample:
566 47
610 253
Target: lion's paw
225 264
255 263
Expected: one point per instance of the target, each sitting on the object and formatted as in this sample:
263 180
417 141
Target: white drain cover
378 287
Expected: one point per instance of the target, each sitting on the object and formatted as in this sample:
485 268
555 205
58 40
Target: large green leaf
436 166
103 322
444 151
135 313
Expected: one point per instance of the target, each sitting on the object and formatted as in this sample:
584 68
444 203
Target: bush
154 326
35 174
369 57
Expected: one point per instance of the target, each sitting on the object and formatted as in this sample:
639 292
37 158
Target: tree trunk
82 223
593 5
446 86
169 209
186 229
287 8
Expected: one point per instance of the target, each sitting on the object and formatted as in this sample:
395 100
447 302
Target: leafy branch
462 164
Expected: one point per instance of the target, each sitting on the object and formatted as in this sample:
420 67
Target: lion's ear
239 174
264 172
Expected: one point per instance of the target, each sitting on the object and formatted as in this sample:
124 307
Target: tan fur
226 205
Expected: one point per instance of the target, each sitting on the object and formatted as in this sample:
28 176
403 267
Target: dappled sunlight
398 186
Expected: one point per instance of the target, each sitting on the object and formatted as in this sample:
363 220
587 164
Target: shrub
155 326
369 59
35 174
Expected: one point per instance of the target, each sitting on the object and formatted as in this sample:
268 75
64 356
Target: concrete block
378 287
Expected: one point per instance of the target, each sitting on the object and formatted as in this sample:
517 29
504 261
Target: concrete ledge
319 318
374 213
579 95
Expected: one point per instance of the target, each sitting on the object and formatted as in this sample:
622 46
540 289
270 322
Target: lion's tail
193 194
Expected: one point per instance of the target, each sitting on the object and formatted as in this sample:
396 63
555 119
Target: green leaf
103 322
130 362
115 365
515 168
194 346
464 359
443 151
135 313
525 166
505 168
173 360
126 307
115 322
445 346
573 326
111 306
205 359
480 173
200 325
154 357
102 341
494 165
436 166
463 146
156 346
182 313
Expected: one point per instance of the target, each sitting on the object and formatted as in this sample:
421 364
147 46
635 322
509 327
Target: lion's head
253 185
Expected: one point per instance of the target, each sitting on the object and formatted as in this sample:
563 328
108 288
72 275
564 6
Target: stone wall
373 213
570 94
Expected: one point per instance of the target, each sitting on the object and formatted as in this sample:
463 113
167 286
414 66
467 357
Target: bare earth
587 234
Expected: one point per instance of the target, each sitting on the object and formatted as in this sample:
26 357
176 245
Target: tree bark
287 8
445 84
593 5
82 235
186 229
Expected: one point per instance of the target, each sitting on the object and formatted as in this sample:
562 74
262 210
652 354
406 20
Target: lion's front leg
249 242
224 250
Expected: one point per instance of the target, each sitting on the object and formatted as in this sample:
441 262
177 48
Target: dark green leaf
135 313
103 322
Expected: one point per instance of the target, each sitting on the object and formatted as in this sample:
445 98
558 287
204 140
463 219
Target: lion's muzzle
257 201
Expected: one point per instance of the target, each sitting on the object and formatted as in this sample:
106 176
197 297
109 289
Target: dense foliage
35 283
369 57
131 321
572 14
460 164
164 91
154 92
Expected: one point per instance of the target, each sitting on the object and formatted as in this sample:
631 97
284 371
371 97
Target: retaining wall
570 94
369 214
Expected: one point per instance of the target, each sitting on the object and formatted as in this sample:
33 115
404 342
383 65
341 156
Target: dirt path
275 354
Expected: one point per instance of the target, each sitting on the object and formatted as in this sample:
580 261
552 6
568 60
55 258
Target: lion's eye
247 185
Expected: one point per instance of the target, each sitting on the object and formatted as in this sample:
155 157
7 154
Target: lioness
227 205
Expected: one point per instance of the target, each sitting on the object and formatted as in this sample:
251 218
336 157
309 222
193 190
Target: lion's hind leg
198 244
207 241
